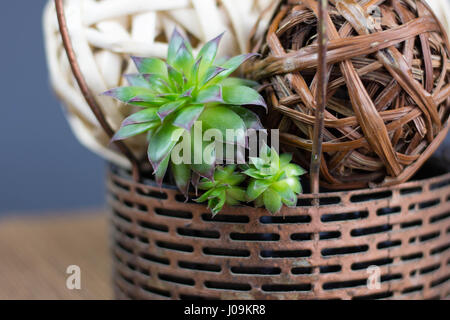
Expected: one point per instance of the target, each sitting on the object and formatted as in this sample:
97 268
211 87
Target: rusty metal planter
165 248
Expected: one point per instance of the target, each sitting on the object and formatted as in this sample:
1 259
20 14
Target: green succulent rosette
223 189
174 94
274 180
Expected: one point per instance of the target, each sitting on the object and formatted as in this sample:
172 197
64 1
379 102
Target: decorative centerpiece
361 99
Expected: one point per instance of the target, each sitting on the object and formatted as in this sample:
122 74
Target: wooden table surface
35 252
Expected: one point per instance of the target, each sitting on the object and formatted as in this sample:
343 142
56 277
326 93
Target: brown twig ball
388 89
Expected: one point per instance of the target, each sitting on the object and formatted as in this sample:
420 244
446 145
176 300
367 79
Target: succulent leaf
125 94
208 160
208 53
256 188
183 59
186 117
242 95
138 80
158 83
272 201
182 175
216 204
143 116
210 75
175 78
273 180
222 118
160 172
232 65
150 66
232 81
235 195
210 94
250 118
162 143
169 107
132 130
223 190
176 41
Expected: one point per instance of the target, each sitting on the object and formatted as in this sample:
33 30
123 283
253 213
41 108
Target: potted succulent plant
388 241
184 93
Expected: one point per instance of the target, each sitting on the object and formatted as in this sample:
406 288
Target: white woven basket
105 33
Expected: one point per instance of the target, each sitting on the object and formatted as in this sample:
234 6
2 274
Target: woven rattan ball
104 33
388 90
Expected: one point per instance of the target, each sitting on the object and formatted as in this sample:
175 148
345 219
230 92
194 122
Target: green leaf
187 93
160 172
232 64
285 159
257 162
250 118
146 115
293 170
175 43
272 201
241 95
232 81
221 173
211 73
169 108
274 160
256 188
205 196
138 102
221 118
206 184
288 196
158 83
265 151
194 74
294 184
175 78
137 80
126 94
228 176
235 195
217 203
208 53
184 59
210 94
162 143
259 202
182 174
186 117
253 173
206 167
133 130
235 179
150 66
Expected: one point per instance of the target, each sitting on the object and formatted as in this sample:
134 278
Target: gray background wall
42 166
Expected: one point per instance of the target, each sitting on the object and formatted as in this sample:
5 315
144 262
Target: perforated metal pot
165 248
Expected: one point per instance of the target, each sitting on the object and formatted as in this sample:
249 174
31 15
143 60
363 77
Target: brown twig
85 89
321 94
